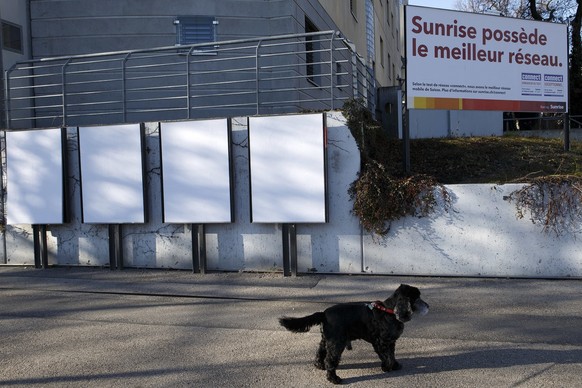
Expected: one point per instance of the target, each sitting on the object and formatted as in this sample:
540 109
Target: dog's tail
301 325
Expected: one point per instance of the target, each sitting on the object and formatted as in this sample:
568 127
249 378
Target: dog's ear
410 292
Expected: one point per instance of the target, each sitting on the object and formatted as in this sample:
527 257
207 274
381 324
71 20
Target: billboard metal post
567 114
404 111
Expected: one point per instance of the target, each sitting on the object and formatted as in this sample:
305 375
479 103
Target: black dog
380 323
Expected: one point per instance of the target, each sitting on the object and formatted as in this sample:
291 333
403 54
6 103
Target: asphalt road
88 327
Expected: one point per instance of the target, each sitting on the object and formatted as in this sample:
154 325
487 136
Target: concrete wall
479 236
16 13
76 27
428 123
73 27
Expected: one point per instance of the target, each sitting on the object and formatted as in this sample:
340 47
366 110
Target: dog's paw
319 365
395 366
333 377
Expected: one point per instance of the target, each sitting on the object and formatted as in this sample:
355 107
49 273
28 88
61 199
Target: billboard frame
539 89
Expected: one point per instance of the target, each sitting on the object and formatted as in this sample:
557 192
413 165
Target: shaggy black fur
345 322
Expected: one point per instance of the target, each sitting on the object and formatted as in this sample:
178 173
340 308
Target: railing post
124 88
7 106
355 85
188 87
64 91
331 84
257 73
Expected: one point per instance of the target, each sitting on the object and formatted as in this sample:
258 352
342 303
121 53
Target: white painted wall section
479 236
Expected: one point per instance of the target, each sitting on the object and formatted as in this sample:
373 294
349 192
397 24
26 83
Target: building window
370 31
195 29
11 37
397 41
382 52
312 55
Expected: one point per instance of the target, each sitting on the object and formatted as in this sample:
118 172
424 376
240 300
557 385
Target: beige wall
388 61
387 26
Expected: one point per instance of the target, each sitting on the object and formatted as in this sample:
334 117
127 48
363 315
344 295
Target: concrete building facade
73 27
15 38
66 28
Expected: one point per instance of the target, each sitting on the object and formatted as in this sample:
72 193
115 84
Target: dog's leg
391 353
335 349
320 355
386 353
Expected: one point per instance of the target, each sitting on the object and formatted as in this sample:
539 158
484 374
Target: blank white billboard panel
112 174
34 177
196 172
287 169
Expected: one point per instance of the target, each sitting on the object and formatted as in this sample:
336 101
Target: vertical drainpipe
29 28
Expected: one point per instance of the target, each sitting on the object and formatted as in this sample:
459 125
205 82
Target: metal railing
272 75
541 122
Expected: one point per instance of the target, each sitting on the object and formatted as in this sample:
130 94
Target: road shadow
478 359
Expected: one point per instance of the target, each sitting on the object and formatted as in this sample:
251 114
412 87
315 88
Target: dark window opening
312 57
11 37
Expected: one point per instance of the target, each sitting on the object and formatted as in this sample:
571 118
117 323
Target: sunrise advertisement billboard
467 61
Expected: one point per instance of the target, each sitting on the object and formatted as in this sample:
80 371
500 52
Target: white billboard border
143 200
282 220
57 220
164 170
405 45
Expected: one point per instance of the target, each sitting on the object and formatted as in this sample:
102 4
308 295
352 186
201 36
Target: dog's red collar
378 305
